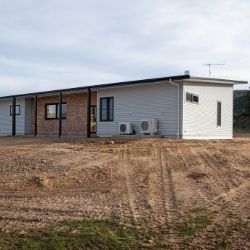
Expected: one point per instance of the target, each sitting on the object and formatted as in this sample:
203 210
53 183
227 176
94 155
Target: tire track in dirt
47 211
129 192
155 192
223 185
218 179
232 191
86 210
236 161
169 197
196 190
20 219
161 192
138 186
227 186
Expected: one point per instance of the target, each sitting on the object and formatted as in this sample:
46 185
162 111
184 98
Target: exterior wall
28 116
6 119
133 103
76 119
200 120
180 109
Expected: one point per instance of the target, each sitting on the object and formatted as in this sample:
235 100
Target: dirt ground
148 182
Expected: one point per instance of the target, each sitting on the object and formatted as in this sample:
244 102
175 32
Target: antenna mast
212 64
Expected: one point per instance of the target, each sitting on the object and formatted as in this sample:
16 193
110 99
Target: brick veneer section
76 117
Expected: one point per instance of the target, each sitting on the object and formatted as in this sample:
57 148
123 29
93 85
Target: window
192 98
64 110
106 109
52 111
18 109
195 98
188 97
218 114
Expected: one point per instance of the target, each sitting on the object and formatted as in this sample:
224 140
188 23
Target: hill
241 109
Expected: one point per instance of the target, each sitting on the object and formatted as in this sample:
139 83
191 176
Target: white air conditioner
125 128
149 126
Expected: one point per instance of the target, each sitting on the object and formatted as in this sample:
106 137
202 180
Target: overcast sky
51 44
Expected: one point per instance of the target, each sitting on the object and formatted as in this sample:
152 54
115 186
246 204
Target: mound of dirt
40 181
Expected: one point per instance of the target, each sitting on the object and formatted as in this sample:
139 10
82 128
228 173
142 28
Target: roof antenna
212 64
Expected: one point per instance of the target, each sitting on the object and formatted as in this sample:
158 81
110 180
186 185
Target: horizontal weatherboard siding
200 120
6 118
135 103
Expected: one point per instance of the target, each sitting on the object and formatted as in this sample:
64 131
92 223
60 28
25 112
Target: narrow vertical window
64 110
51 111
110 109
107 109
219 114
17 109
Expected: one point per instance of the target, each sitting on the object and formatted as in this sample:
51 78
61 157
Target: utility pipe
178 105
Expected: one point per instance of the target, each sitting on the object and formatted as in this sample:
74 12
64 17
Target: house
181 106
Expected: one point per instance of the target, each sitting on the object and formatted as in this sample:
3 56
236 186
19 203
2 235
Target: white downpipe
178 105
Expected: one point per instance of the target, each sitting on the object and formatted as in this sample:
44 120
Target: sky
53 44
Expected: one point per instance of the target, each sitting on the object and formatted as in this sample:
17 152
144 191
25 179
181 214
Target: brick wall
76 118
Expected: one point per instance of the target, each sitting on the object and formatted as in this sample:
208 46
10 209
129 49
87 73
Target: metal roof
130 83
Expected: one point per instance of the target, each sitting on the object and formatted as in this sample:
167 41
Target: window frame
57 111
108 110
19 109
219 114
192 98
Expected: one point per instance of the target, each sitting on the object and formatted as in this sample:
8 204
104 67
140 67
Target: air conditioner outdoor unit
149 126
125 128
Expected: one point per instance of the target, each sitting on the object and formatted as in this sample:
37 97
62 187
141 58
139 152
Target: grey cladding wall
133 103
6 119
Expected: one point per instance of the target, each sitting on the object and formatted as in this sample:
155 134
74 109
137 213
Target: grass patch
86 234
197 219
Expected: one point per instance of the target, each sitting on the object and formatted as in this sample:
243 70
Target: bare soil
150 183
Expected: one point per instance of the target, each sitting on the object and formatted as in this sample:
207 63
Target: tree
247 106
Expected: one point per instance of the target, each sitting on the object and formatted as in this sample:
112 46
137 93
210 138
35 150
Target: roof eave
100 86
216 80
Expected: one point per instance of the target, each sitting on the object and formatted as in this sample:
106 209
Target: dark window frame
109 119
192 98
219 113
19 109
57 111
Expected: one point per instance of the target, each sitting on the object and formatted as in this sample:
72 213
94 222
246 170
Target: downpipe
178 106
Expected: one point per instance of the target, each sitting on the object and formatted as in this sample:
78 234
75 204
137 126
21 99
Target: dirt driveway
150 183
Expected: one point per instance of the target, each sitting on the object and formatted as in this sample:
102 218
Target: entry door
93 119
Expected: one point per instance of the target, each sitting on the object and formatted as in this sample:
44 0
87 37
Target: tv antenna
212 64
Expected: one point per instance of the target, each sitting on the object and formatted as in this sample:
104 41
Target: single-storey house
181 106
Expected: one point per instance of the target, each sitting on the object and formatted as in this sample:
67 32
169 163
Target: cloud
52 44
